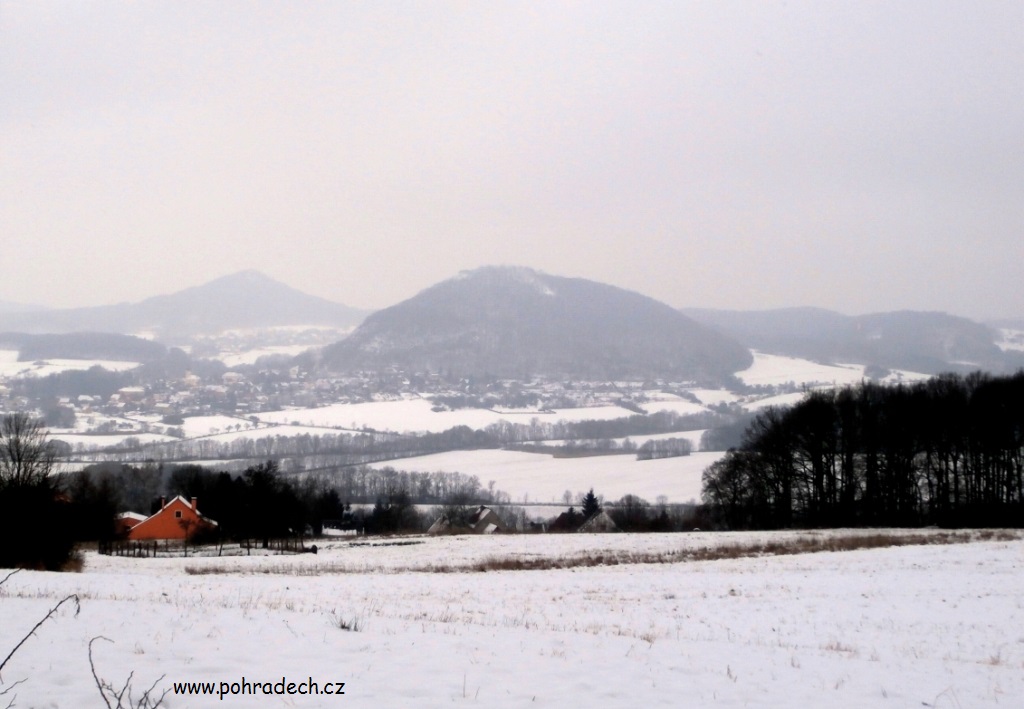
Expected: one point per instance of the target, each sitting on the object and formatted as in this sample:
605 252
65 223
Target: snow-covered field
543 478
103 441
10 366
415 414
1010 340
776 370
233 359
937 626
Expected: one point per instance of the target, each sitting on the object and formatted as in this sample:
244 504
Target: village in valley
540 445
516 354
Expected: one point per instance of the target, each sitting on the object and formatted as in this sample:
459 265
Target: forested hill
519 323
247 299
82 345
918 341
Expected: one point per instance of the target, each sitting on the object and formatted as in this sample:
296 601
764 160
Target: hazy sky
859 156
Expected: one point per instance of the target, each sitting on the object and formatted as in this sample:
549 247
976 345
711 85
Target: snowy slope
932 626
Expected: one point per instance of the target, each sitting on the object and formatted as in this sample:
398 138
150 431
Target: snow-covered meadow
539 477
11 367
939 626
775 370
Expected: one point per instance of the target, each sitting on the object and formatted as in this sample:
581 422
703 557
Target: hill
247 299
926 342
518 323
7 306
82 345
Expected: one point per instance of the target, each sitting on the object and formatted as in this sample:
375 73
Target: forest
948 451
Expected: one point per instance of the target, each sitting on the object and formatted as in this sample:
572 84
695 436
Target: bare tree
27 457
35 527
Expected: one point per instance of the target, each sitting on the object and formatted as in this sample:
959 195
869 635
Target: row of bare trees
341 448
946 451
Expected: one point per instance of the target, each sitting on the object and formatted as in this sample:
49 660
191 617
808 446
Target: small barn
599 522
177 519
483 521
125 521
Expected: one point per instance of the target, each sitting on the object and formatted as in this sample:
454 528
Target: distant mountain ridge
514 322
927 342
247 299
7 306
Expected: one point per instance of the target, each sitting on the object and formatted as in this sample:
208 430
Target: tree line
946 451
344 448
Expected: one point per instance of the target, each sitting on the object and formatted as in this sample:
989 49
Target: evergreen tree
590 505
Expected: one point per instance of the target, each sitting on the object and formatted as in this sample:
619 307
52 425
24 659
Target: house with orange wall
176 519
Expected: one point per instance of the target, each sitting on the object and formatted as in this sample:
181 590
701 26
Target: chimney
163 502
193 504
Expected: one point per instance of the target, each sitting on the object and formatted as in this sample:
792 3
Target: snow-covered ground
937 626
692 436
106 440
543 478
415 414
1010 340
10 367
781 400
233 359
776 370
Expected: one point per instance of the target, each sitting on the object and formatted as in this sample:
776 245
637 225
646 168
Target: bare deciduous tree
26 456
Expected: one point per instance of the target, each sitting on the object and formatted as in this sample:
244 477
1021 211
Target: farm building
483 521
599 522
177 519
124 522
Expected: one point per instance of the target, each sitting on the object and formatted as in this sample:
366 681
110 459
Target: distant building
599 522
131 394
483 521
229 378
177 519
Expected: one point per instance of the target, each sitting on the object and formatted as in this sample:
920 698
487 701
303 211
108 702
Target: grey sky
858 156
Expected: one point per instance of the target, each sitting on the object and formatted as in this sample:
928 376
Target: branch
92 667
4 579
145 701
78 609
11 703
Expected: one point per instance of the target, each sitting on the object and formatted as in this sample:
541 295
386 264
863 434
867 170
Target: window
177 514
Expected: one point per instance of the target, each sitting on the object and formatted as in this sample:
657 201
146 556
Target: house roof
599 522
484 521
183 501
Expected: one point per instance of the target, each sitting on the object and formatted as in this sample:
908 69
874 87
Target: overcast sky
858 156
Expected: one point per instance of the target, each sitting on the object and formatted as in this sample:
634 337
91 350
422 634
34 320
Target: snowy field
103 441
776 370
416 415
1010 340
936 626
543 478
234 359
10 367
